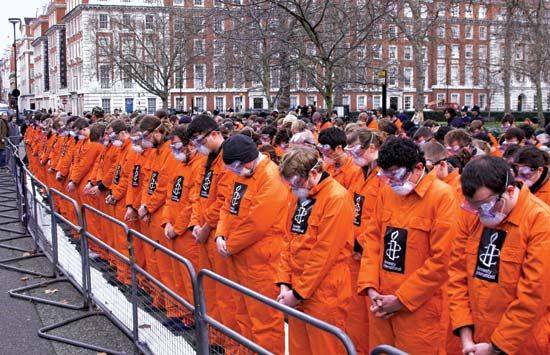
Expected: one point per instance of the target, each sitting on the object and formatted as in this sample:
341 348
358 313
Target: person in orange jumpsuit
118 132
64 164
155 134
250 232
215 180
363 146
313 272
53 155
176 214
407 245
499 273
531 167
337 163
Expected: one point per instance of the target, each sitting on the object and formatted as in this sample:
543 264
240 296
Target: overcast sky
16 8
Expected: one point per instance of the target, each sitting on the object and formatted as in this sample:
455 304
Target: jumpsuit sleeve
284 271
194 197
337 217
119 191
423 283
79 169
222 228
530 303
265 211
459 298
369 271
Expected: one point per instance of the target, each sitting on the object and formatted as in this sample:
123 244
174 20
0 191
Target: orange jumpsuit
121 178
406 254
63 167
214 183
252 220
373 124
345 174
544 191
177 211
153 197
315 264
364 191
499 278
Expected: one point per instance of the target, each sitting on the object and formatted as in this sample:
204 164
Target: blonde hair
300 161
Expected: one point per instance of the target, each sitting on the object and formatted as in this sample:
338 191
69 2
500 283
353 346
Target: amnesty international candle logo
358 202
116 179
153 182
177 189
135 175
238 192
395 250
301 216
488 254
206 183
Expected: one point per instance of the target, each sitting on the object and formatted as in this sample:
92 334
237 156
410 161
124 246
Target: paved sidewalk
20 320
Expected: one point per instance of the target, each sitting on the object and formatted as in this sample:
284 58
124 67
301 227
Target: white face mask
328 160
146 144
360 161
403 190
201 149
180 156
81 137
117 143
72 133
302 193
137 149
492 220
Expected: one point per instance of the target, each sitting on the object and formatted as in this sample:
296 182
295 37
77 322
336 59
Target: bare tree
149 49
329 34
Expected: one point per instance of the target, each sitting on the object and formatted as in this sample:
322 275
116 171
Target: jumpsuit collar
424 184
516 214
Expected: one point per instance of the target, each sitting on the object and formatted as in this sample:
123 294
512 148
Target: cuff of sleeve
101 186
408 305
499 342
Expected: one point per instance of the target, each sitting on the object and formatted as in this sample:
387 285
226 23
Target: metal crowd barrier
387 349
79 258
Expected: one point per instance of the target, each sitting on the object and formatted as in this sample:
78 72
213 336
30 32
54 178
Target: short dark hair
180 132
97 130
333 136
161 114
515 132
441 133
81 123
532 157
402 152
486 171
528 130
149 123
201 124
118 126
508 118
386 126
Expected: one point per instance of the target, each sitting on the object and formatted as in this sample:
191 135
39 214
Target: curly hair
401 152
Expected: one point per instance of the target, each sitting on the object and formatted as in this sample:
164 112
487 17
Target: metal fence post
134 290
201 326
55 247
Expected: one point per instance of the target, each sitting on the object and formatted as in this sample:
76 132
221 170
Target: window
519 52
178 25
392 77
468 11
345 100
392 32
468 75
455 51
151 105
238 100
455 31
275 78
198 3
180 103
198 47
376 101
441 9
468 100
482 76
103 21
440 99
392 53
180 79
105 76
361 102
198 24
179 2
482 33
468 51
455 98
377 52
407 11
441 31
455 78
293 101
218 48
126 77
481 12
238 78
126 21
455 10
200 76
361 52
441 51
482 52
408 77
219 77
407 53
468 32
149 22
441 74
218 26
219 102
312 100
106 105
482 101
407 102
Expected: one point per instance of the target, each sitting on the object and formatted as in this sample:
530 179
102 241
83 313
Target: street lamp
15 93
